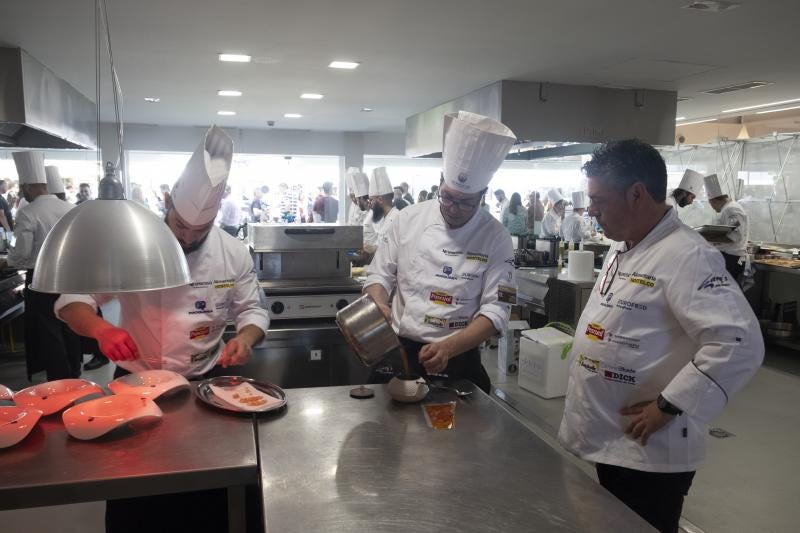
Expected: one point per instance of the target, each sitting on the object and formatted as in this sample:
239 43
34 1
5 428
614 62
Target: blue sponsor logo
200 305
447 269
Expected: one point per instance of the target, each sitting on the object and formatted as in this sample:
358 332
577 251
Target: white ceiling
414 53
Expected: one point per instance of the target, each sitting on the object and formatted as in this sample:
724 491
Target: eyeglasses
608 277
448 201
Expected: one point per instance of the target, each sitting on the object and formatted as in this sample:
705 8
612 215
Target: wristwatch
667 407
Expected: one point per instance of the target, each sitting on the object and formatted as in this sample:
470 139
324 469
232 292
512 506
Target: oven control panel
312 306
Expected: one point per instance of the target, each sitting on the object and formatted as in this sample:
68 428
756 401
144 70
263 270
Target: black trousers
732 266
465 366
49 344
656 497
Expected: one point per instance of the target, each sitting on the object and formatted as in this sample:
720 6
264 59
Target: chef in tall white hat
55 185
445 261
687 190
551 224
381 195
49 345
730 213
180 329
358 186
576 227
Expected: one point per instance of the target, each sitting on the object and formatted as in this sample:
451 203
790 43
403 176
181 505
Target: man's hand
236 352
647 419
434 357
117 345
386 310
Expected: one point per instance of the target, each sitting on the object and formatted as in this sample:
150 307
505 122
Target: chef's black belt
464 366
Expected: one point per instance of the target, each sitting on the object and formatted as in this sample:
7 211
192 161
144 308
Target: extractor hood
561 119
40 110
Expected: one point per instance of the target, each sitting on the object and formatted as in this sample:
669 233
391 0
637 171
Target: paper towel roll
581 266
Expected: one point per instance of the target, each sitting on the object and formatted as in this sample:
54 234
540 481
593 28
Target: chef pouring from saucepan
446 260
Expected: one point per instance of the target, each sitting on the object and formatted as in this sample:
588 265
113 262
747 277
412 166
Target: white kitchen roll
581 266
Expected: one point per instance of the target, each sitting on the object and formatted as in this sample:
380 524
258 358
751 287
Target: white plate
206 394
149 383
92 419
53 396
6 394
16 423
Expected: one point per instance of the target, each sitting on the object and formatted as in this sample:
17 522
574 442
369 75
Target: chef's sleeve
20 256
739 234
92 300
247 305
499 272
713 311
383 268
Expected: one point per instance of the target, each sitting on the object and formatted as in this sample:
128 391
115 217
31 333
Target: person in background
381 196
49 345
407 193
399 202
256 208
535 214
55 185
326 207
164 190
358 183
515 216
229 213
137 195
662 345
575 227
84 193
6 217
690 186
502 202
423 195
434 192
730 213
551 224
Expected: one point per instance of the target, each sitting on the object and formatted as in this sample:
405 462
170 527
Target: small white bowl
407 390
6 394
53 396
92 419
16 423
149 383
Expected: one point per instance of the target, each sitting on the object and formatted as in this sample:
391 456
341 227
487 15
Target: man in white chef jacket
358 184
180 329
575 227
446 260
730 213
687 190
551 224
665 340
381 196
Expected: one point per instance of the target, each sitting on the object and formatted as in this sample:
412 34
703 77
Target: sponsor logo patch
627 305
200 308
592 365
637 278
435 321
224 283
620 375
451 253
469 276
221 305
200 284
447 269
441 298
477 256
606 302
199 333
458 324
447 273
622 340
595 331
714 281
199 357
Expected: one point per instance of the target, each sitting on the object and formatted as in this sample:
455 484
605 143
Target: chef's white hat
473 148
198 192
579 200
54 183
713 187
357 182
30 167
691 182
379 183
554 196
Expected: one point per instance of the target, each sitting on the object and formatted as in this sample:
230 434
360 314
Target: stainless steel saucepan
366 330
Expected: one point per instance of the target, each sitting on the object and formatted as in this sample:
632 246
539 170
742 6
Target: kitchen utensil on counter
16 423
458 392
366 330
54 396
205 392
92 419
149 383
407 389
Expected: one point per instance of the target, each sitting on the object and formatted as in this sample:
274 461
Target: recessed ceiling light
738 87
367 110
777 110
226 113
712 6
697 122
349 65
678 119
235 58
152 99
292 115
312 96
228 92
759 106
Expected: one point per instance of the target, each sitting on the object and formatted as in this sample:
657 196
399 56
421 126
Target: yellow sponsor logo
644 282
595 332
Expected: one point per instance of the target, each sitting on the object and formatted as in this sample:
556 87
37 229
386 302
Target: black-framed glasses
610 274
448 201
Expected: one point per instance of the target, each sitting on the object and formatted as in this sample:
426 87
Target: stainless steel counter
192 448
775 268
332 463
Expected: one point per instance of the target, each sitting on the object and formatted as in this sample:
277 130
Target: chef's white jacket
575 228
374 231
674 323
180 329
551 224
33 223
356 216
733 214
444 277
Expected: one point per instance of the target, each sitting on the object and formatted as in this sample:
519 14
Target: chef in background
730 213
49 344
551 224
576 227
687 190
446 260
358 185
55 185
381 197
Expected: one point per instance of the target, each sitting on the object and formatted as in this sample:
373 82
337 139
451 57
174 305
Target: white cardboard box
508 347
541 368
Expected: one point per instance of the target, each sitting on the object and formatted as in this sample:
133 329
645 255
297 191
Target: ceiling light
292 115
712 6
235 58
697 122
367 110
312 96
229 93
778 110
738 87
759 106
226 113
349 65
678 119
152 99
